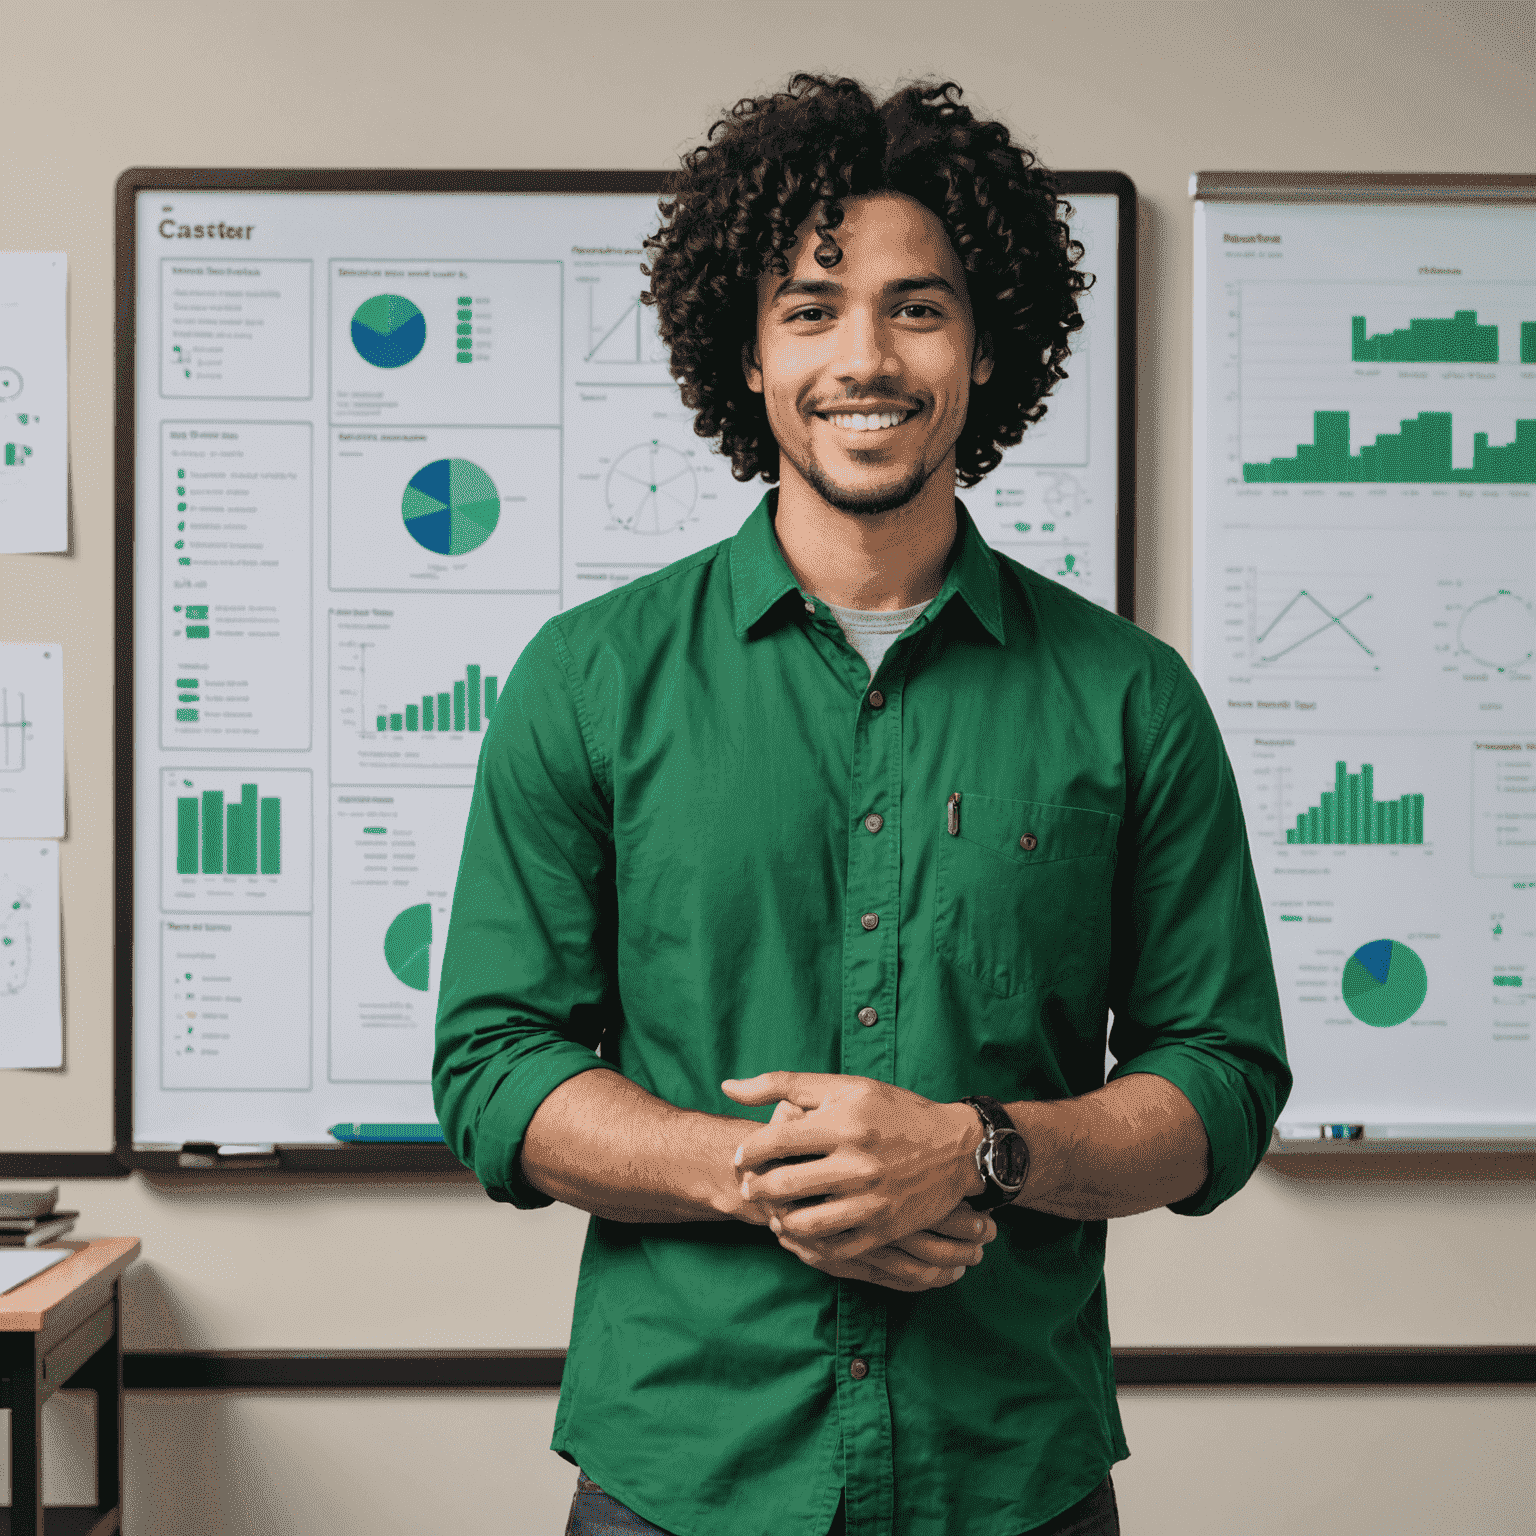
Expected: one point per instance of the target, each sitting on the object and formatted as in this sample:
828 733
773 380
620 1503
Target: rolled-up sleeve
1194 993
527 972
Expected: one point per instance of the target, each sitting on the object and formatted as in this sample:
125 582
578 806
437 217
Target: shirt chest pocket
1023 891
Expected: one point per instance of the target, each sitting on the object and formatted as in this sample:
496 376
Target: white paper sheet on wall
31 1000
34 403
31 741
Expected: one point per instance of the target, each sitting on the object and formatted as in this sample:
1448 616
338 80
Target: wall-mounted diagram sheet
381 439
31 1001
31 741
34 403
1365 629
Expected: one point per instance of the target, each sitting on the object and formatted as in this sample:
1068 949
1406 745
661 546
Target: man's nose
863 348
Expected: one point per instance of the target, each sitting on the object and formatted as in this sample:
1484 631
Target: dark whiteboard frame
402 1158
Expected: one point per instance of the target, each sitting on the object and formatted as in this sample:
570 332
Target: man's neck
860 560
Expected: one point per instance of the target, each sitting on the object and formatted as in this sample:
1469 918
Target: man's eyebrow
818 288
812 287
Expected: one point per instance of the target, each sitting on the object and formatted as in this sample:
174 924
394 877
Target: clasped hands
861 1179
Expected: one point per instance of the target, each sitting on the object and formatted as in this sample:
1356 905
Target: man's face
866 367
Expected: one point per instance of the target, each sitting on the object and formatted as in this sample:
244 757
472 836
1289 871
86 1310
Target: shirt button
874 821
868 1016
858 1369
810 607
1029 842
870 920
876 698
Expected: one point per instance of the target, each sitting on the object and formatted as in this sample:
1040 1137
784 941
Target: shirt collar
761 577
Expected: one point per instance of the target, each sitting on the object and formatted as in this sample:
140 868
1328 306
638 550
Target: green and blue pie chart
388 331
451 506
1385 983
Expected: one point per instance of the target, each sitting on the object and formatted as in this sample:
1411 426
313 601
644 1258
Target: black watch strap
1002 1155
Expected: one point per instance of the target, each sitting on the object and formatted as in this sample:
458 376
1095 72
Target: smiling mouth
866 421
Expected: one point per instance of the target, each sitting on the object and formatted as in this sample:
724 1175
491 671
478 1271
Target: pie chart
451 506
408 946
1384 983
388 331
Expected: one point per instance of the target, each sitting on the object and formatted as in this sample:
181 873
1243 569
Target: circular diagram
451 506
408 947
10 383
1385 983
1499 631
388 331
651 489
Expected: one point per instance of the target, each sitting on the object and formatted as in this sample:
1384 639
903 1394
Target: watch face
1011 1159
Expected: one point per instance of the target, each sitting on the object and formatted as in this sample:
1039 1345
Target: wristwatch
1002 1157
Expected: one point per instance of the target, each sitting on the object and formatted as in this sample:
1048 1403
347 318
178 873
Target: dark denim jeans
595 1513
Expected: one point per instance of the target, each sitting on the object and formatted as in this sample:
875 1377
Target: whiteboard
1365 630
384 426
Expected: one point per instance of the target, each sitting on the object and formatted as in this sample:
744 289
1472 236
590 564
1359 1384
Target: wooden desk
63 1328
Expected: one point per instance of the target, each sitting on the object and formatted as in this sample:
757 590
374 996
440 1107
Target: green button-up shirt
669 853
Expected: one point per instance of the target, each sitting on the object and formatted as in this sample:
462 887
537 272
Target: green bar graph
1348 813
1528 341
1419 454
186 835
467 706
213 831
271 835
240 848
241 838
1457 340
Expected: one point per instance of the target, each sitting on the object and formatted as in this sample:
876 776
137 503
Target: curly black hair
731 211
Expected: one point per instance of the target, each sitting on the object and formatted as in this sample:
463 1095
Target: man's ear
981 359
751 368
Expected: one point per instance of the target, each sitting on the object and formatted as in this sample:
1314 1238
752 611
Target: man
839 825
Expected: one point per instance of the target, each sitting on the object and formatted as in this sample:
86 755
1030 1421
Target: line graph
1302 624
620 329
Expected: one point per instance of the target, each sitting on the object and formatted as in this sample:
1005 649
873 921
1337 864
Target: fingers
890 1267
807 1136
940 1252
969 1225
807 1089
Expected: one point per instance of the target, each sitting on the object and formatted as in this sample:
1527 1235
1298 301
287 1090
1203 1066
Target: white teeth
873 423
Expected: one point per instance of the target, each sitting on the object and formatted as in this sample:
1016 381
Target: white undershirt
870 631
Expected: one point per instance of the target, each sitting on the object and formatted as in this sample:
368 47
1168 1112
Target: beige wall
1414 1252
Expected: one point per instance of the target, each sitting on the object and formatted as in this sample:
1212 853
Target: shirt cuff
1225 1105
504 1120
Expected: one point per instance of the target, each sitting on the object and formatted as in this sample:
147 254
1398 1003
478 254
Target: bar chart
1418 454
1350 813
405 697
236 841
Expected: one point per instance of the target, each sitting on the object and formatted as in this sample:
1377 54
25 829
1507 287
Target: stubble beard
863 503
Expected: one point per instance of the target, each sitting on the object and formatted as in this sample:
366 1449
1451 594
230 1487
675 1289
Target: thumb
802 1088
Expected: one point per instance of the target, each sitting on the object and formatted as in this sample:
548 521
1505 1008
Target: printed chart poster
34 403
31 1002
394 859
31 741
1365 631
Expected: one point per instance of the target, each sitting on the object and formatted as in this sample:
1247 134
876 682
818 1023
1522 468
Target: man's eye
924 311
811 312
